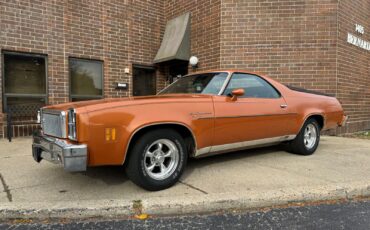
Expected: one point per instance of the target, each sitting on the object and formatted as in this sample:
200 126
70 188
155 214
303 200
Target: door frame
243 101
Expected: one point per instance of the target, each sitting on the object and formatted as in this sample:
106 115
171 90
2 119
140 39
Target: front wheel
308 138
157 159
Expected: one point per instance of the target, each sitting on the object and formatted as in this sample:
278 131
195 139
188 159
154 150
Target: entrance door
177 69
144 81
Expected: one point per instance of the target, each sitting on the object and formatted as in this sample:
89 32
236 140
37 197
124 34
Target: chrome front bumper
72 157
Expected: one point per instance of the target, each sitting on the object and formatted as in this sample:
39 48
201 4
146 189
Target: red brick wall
146 28
292 41
299 42
354 64
302 43
97 30
117 32
205 28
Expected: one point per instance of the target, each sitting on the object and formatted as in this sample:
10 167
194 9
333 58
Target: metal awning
176 40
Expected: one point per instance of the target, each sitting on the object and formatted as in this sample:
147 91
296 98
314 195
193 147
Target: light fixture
193 61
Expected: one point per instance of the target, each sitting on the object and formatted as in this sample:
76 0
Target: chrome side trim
246 116
226 82
203 151
221 90
217 149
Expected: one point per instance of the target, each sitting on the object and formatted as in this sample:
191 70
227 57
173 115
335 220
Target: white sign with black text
359 42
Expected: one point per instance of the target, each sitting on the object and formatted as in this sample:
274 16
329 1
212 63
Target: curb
182 205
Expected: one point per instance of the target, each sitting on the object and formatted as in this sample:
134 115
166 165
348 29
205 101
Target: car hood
117 102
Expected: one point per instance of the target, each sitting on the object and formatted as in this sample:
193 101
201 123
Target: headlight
72 124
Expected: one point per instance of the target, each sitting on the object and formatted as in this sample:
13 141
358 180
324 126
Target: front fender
128 120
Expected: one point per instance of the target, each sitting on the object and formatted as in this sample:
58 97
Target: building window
86 79
24 78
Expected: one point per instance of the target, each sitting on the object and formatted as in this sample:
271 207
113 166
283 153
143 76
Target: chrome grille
53 123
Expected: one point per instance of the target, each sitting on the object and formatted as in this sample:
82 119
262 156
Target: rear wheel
308 138
157 159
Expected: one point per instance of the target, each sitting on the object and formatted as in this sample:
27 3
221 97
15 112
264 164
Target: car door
258 117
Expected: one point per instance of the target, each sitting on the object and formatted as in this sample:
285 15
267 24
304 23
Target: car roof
226 70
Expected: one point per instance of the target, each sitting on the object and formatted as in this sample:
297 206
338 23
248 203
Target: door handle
283 106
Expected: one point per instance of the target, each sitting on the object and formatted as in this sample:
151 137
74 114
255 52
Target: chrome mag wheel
161 159
310 136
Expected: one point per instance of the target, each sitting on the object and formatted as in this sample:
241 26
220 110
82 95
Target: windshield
206 83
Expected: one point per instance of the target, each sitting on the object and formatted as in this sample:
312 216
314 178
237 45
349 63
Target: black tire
139 162
299 144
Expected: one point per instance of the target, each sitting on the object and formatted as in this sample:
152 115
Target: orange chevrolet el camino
198 115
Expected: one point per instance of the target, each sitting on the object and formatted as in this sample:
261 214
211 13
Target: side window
214 86
254 86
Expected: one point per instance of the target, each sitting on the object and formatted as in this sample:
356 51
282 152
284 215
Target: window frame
84 97
222 89
22 95
251 74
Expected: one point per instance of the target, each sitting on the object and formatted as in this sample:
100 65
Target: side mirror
236 93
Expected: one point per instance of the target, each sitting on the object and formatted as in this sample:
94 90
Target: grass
362 135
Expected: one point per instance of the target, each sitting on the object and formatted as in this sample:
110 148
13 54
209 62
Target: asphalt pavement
349 215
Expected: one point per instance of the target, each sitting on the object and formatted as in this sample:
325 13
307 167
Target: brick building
57 51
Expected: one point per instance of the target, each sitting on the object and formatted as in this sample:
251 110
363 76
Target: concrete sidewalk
255 178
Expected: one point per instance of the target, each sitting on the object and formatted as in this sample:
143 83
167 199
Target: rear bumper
72 157
344 120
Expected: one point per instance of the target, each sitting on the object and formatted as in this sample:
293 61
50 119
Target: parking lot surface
255 178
